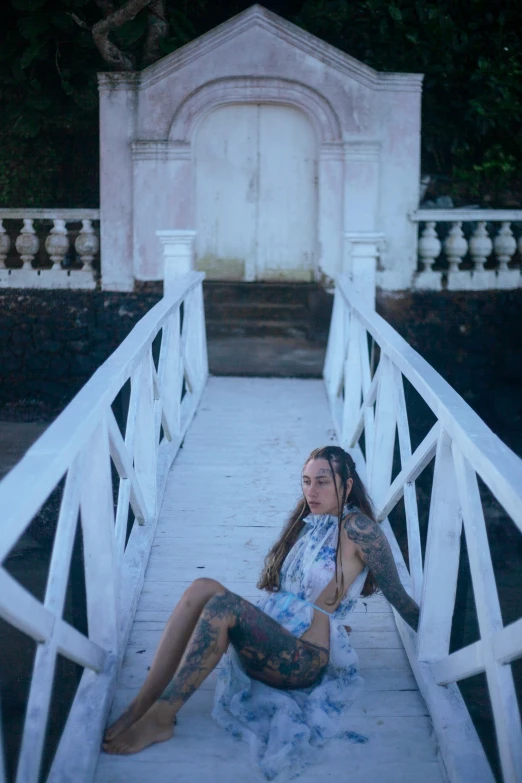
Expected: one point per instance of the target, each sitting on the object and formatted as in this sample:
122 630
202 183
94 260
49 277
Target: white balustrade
52 273
370 402
78 447
497 250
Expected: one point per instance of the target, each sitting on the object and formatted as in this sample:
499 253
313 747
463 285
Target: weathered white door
256 205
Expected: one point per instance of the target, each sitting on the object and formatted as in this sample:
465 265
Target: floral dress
284 727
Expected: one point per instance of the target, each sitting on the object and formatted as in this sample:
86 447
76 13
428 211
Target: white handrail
35 213
466 215
463 447
79 446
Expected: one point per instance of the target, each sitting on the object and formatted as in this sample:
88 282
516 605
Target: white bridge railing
26 263
459 259
368 399
79 447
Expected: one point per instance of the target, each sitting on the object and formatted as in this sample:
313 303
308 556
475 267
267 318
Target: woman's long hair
343 465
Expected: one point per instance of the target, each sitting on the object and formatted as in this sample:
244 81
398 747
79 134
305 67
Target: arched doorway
256 193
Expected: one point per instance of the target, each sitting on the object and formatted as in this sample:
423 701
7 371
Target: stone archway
221 92
255 150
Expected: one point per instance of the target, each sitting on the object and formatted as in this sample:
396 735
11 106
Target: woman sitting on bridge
291 671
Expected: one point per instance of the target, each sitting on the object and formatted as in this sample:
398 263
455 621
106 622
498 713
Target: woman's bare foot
125 721
157 725
128 717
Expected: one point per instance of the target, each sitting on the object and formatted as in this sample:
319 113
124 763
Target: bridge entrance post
178 255
361 251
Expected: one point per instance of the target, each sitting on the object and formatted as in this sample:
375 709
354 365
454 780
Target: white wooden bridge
213 507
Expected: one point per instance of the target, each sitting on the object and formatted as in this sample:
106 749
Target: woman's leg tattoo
272 654
268 652
169 653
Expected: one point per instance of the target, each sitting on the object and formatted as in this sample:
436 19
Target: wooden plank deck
230 490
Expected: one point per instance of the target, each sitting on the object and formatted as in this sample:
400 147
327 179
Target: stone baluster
480 247
27 243
57 243
429 246
87 244
505 246
455 246
5 244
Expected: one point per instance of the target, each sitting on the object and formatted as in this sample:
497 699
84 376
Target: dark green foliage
471 54
469 50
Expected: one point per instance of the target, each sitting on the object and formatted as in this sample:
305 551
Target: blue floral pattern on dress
284 727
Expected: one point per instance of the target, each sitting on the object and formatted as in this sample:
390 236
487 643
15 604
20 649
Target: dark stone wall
51 342
474 340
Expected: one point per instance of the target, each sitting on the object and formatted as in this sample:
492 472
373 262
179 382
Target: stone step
238 327
264 311
277 293
288 310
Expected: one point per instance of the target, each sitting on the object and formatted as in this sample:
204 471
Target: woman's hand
374 549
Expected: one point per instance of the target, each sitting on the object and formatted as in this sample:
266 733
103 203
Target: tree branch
107 7
158 28
100 33
79 21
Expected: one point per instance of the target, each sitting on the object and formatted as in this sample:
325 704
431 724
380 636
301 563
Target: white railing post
97 517
170 373
144 446
410 497
361 253
178 255
442 558
202 333
352 382
381 458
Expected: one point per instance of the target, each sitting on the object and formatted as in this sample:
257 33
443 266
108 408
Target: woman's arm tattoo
377 555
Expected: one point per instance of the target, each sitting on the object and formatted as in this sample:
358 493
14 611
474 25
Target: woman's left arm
375 551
